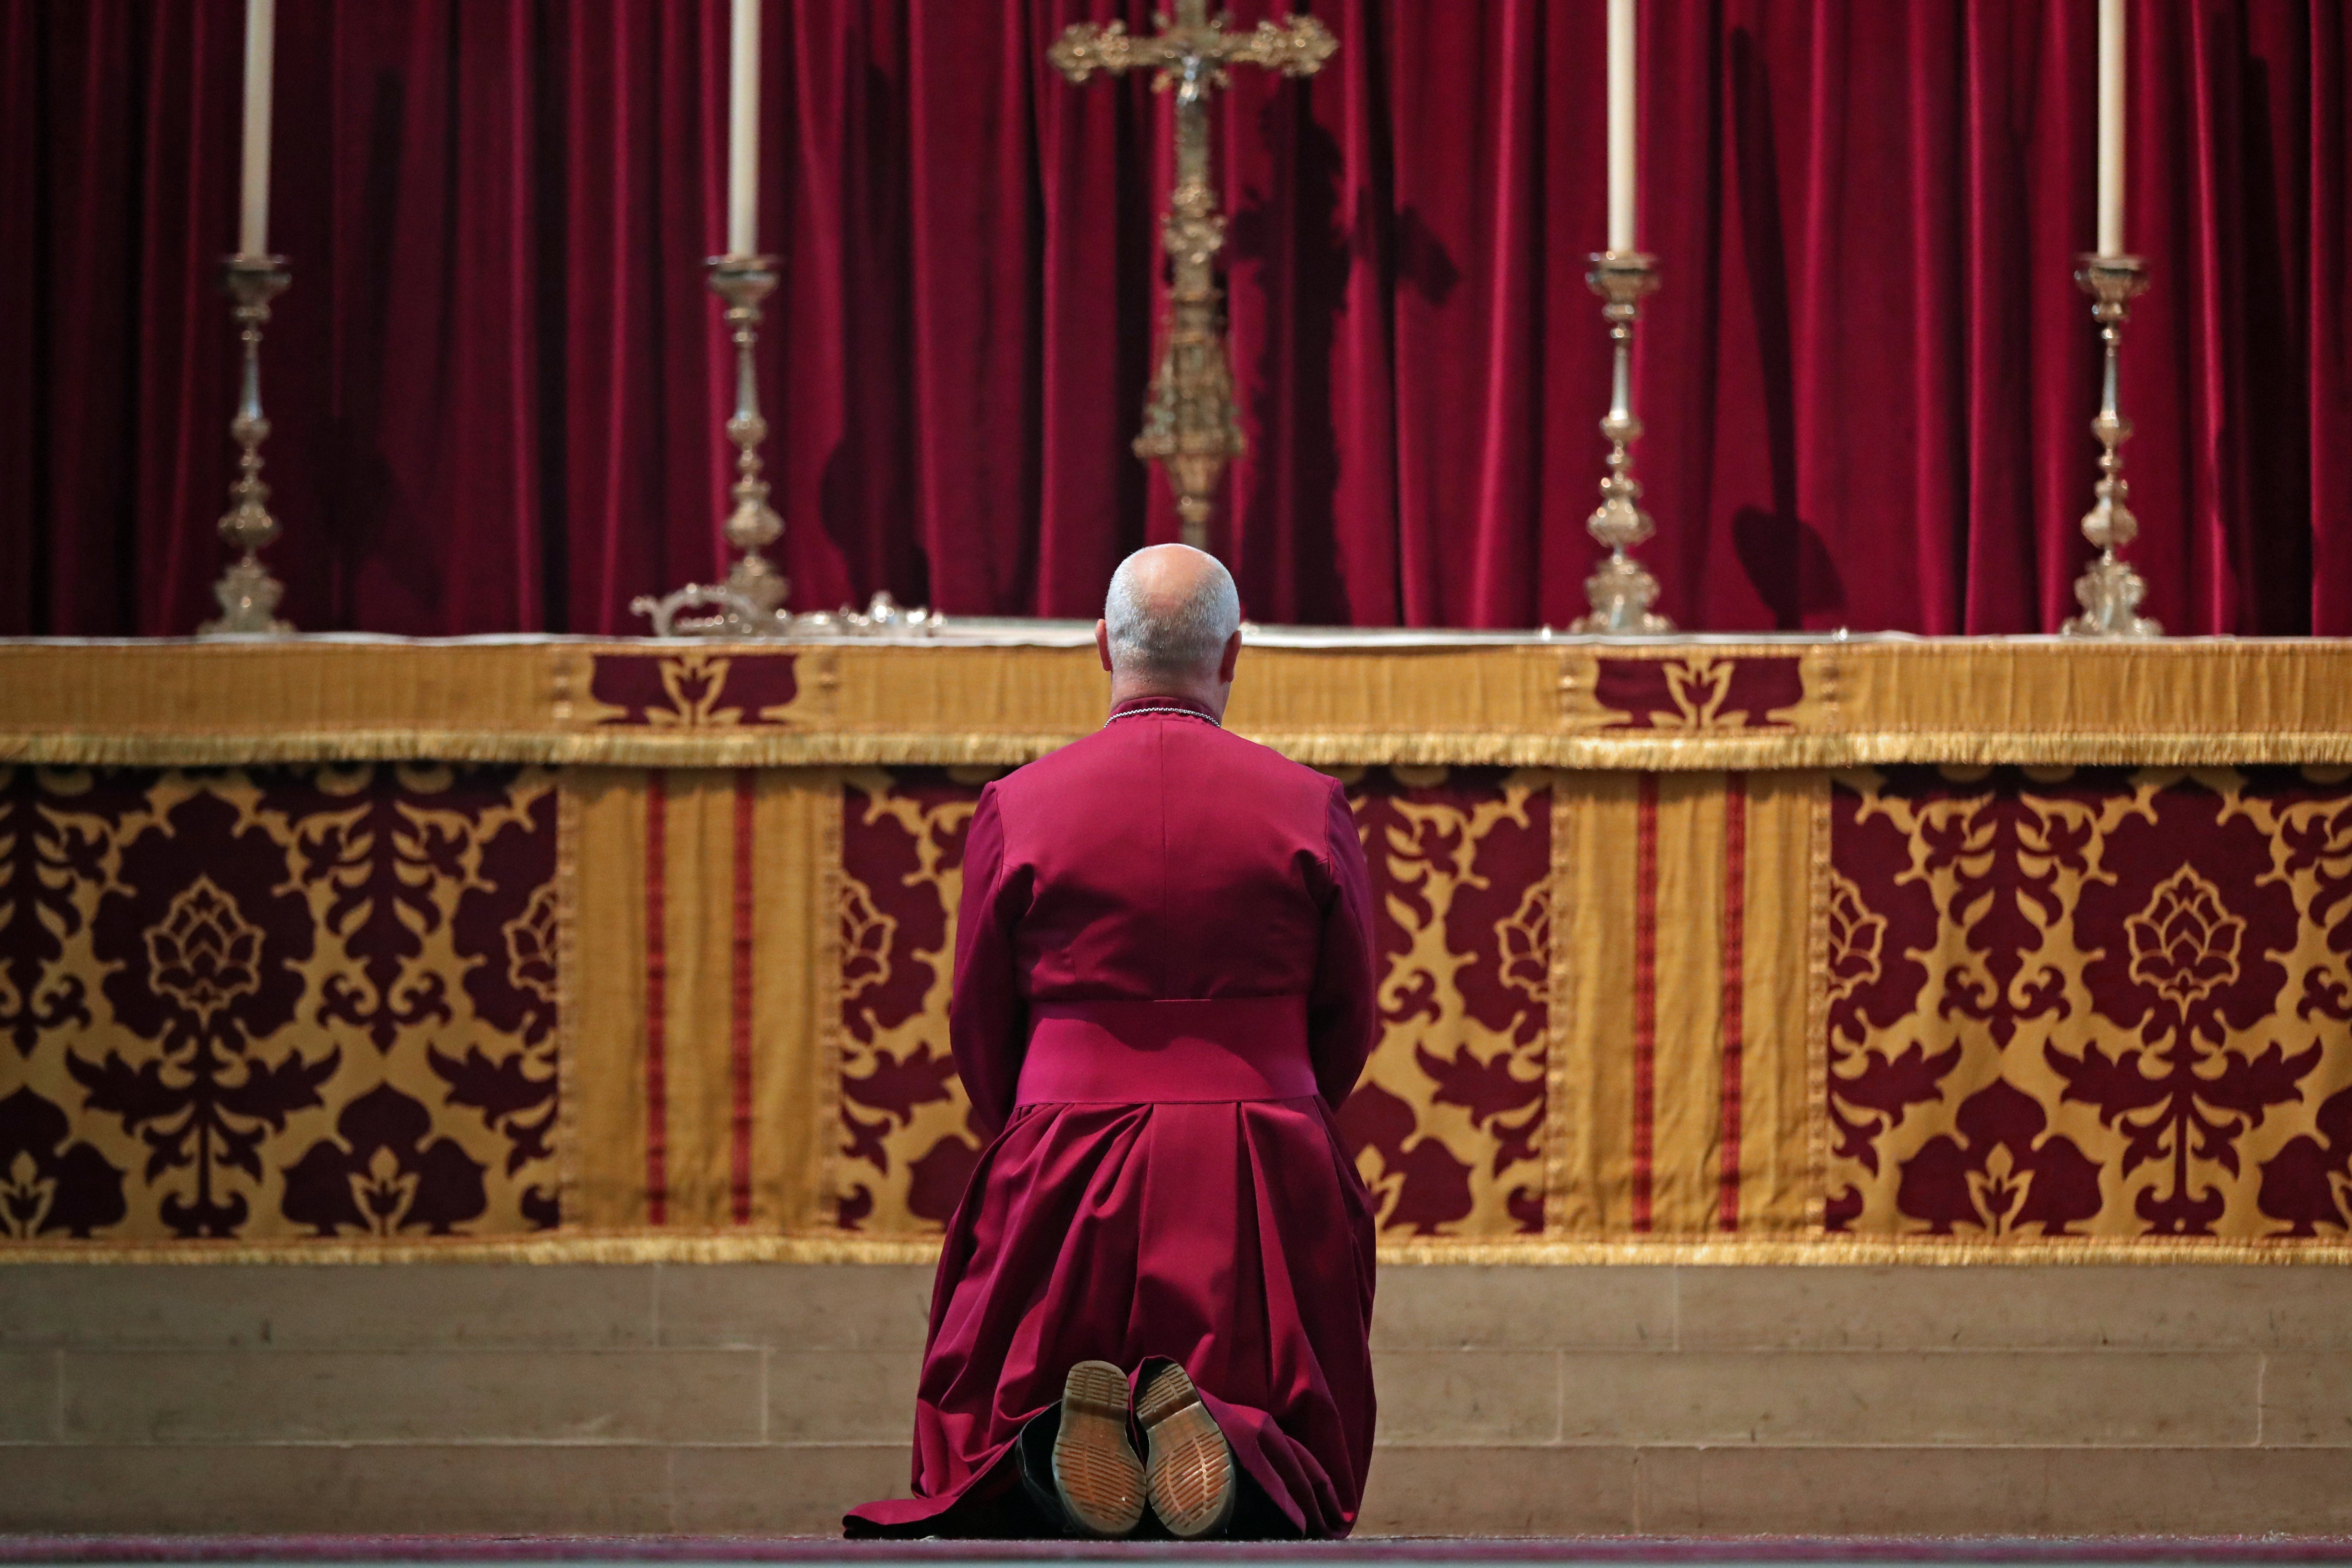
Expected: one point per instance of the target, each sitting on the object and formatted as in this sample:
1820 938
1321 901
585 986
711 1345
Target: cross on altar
1190 425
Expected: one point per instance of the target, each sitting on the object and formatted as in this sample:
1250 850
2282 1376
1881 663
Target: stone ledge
435 1490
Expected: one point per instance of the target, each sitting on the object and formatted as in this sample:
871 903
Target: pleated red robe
1163 986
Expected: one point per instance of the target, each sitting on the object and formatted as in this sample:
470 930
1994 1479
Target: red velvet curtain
497 383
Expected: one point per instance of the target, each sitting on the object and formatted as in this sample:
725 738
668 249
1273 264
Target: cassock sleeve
988 1021
1340 1016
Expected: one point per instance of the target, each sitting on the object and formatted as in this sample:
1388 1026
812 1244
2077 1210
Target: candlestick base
1622 589
248 594
2109 590
1621 592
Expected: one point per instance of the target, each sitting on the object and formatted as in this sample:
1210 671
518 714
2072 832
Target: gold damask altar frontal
382 1010
1331 701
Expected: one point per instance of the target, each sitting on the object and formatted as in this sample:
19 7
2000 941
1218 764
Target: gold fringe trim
1650 752
560 1247
1643 751
1821 825
1559 999
643 748
734 1246
570 1194
1832 1251
824 1140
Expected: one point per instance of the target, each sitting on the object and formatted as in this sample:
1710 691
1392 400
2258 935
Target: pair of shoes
1103 1488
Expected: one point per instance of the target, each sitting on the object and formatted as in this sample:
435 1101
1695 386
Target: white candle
1621 125
743 133
2111 127
253 194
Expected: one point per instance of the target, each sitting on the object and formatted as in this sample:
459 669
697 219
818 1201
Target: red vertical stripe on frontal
656 1000
1645 994
1735 935
740 1078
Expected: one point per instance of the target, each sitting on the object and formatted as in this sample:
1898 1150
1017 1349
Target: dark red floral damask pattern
2309 1184
41 861
203 934
384 1173
908 1145
506 919
1700 691
1449 1115
50 1183
2316 834
1998 1171
2088 1002
1878 1068
242 993
2191 988
695 690
1447 1123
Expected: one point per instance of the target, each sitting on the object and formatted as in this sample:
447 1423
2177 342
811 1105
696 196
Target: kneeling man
1152 1308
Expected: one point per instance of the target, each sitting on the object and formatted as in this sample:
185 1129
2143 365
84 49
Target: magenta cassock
1163 987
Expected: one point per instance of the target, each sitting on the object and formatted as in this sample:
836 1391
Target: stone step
1528 1400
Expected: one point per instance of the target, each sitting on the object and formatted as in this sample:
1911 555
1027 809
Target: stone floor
1388 1552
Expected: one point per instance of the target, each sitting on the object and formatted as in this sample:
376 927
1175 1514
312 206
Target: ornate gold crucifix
1191 426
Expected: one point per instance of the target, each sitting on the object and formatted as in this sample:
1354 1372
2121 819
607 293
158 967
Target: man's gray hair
1162 635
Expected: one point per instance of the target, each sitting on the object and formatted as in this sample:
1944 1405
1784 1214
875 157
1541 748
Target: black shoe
1190 1475
1097 1482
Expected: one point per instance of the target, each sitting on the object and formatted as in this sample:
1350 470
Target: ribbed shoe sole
1190 1474
1094 1466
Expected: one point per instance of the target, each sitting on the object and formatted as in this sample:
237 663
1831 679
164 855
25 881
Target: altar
1761 949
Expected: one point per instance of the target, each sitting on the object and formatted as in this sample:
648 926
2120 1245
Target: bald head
1171 611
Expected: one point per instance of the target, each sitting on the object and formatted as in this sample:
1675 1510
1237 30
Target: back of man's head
1171 610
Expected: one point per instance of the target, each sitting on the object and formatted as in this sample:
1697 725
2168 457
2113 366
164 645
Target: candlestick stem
248 594
1621 590
743 281
2109 590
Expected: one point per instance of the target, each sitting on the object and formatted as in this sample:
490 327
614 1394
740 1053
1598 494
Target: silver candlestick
743 281
2109 590
248 594
1621 590
749 602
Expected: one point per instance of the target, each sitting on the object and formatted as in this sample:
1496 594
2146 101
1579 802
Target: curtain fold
497 382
